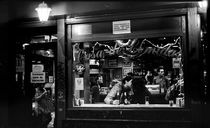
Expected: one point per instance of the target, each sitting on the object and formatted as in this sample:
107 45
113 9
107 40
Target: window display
129 73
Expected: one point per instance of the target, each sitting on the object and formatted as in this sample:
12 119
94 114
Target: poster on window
176 62
79 84
121 27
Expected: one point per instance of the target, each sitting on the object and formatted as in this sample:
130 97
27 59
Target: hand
116 102
44 89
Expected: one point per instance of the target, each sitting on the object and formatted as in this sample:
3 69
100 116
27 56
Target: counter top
130 105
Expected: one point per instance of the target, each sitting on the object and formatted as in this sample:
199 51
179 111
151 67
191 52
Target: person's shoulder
156 77
117 86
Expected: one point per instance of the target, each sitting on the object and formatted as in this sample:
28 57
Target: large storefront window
137 72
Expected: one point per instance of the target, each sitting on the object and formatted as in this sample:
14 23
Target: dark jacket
139 90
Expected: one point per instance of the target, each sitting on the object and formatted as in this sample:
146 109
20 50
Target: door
40 82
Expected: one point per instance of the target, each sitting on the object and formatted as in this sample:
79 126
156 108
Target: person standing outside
45 107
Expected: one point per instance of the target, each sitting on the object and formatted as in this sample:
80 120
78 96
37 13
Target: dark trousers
45 119
42 120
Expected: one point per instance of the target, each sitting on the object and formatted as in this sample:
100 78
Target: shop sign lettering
167 50
159 51
97 55
133 50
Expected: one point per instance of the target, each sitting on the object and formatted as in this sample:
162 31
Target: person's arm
113 92
40 96
148 93
154 80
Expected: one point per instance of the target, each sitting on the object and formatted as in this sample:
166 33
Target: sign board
37 77
121 27
37 68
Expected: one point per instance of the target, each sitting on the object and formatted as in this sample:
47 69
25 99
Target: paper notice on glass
121 27
79 84
176 62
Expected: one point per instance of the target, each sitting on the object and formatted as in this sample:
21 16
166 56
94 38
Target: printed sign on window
79 84
176 62
37 77
121 27
37 68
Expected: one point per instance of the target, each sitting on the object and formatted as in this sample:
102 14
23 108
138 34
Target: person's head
127 82
161 71
149 72
114 81
39 89
130 74
99 79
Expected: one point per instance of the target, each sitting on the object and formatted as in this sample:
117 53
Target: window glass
139 72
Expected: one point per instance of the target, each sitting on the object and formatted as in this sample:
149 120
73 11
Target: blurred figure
140 91
149 77
176 89
95 88
118 89
45 106
113 82
161 80
95 92
130 74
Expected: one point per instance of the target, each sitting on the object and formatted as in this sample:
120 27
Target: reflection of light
203 4
24 45
71 20
85 29
78 30
122 56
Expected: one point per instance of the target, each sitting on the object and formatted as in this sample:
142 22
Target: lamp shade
43 11
203 3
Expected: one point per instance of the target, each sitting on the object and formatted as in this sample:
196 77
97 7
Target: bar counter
130 105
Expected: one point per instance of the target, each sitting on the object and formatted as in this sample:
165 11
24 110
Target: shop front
159 50
130 69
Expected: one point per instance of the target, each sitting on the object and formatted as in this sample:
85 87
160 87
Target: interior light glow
43 11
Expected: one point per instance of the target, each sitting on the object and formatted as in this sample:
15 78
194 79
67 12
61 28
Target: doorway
40 82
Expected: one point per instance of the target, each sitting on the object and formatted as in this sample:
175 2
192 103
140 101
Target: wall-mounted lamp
43 11
203 4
